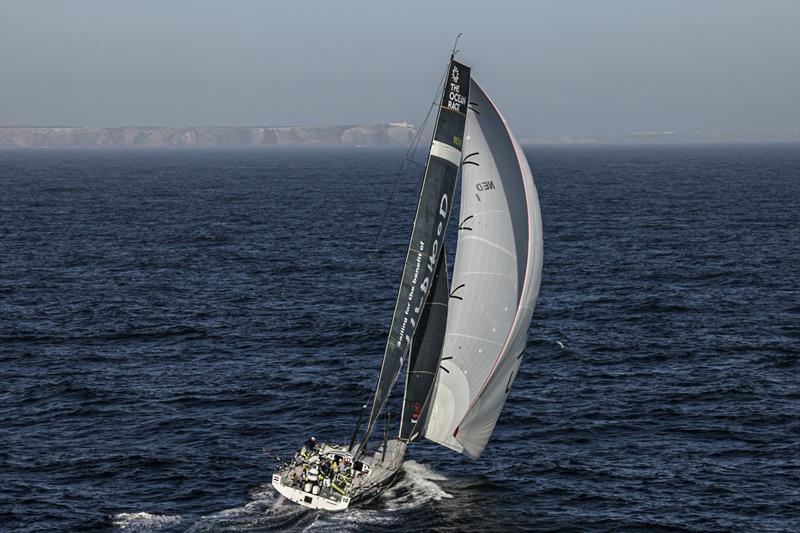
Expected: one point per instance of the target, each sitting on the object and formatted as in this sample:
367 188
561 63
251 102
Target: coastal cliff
234 137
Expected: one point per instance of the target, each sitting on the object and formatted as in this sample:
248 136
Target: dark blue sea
166 316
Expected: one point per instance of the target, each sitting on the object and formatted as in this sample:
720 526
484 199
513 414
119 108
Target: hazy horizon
555 69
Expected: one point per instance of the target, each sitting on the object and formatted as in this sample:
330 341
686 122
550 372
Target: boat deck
378 472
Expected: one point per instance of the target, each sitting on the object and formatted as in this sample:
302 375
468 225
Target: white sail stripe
489 212
501 274
446 152
452 334
509 253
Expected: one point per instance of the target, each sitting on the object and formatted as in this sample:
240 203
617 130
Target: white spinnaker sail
499 263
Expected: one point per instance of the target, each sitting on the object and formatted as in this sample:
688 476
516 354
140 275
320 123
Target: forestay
430 223
495 282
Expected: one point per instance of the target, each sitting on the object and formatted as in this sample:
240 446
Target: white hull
297 495
382 471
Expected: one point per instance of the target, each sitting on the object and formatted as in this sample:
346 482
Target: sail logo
454 91
487 185
412 312
456 100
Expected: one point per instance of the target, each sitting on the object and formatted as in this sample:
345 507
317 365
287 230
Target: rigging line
434 105
412 151
407 158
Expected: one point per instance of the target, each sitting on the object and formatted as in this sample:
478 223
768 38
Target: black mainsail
427 235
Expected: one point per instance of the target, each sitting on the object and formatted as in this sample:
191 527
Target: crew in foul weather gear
320 472
308 449
325 467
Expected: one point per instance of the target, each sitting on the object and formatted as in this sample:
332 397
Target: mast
430 222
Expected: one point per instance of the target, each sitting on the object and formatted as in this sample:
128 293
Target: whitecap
144 521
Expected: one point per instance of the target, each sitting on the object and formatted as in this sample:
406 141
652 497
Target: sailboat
461 339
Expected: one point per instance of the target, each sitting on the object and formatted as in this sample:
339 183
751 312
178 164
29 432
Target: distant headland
387 134
397 133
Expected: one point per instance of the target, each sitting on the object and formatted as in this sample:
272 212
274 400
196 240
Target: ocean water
172 321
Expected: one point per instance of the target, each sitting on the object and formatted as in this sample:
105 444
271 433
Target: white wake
417 487
267 510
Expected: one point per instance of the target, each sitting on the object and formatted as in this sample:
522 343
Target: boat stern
327 502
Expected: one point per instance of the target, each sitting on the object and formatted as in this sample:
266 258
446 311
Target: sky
553 68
